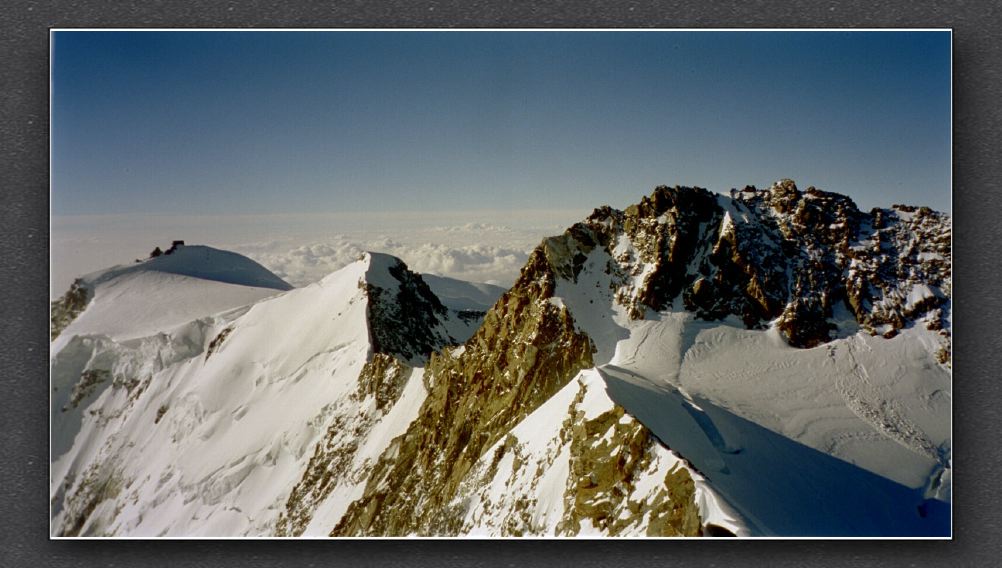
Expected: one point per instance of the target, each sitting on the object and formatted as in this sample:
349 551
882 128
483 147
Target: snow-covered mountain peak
231 405
156 294
198 261
710 304
405 317
770 362
696 312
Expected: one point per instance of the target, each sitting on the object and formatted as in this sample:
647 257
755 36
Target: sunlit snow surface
144 298
235 428
476 246
851 438
542 448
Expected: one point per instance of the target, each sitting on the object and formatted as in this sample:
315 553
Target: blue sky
180 123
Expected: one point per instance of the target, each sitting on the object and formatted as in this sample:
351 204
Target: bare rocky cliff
63 311
796 257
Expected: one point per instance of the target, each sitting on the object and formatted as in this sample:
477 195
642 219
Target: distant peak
198 261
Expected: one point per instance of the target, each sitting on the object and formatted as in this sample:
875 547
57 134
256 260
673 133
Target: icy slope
136 300
206 428
811 442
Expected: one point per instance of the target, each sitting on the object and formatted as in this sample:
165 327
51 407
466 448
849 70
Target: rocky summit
797 257
772 362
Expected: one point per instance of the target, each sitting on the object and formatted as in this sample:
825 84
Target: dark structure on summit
174 246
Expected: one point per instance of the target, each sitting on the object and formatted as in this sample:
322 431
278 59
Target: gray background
24 218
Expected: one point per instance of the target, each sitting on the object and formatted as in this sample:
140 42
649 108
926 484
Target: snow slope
772 364
851 438
461 295
535 469
141 299
204 429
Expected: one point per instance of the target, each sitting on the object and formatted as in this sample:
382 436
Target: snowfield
198 394
851 438
207 444
204 429
138 300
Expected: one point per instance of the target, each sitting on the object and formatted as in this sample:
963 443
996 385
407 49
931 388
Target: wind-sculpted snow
777 485
768 425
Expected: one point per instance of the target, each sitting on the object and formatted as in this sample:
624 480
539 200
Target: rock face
809 262
64 310
403 321
579 465
799 258
405 318
381 382
609 454
525 351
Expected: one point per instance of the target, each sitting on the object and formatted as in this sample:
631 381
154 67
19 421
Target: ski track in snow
878 409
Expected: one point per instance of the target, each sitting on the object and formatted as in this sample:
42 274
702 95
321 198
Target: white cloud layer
486 246
310 262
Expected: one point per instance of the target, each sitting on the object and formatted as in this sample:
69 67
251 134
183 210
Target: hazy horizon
488 245
299 148
482 246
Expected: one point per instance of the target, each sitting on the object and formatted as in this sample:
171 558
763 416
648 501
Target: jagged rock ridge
523 353
776 254
63 311
405 317
513 432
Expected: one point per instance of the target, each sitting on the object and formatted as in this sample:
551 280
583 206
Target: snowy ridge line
775 363
216 389
724 378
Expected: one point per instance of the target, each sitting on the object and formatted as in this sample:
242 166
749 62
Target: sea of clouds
489 246
306 263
